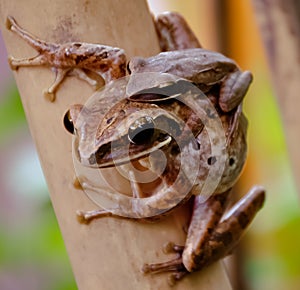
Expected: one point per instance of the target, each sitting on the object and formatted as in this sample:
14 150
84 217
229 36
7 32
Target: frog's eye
141 130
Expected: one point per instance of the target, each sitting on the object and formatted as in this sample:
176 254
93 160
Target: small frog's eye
141 130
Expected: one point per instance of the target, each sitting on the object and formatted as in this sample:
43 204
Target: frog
212 234
214 230
87 61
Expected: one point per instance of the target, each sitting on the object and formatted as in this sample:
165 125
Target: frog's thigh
228 232
206 216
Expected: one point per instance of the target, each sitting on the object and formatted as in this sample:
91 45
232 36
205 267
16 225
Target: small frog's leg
95 82
59 78
33 61
174 33
39 45
83 59
233 89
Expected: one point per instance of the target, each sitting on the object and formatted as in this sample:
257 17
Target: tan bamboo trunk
108 253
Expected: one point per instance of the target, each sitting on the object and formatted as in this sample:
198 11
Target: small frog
84 60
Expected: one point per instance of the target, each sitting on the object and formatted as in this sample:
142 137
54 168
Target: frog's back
197 65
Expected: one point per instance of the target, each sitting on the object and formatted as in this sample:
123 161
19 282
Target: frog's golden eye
141 130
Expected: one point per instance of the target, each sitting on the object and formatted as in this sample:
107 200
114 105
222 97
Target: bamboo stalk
108 253
279 23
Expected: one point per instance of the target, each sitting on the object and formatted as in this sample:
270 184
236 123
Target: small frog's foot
49 96
61 74
9 22
85 217
11 62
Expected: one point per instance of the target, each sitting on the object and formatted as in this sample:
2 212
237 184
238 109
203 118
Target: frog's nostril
211 160
231 161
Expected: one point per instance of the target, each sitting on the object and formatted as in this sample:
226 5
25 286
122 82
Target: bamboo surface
108 253
279 23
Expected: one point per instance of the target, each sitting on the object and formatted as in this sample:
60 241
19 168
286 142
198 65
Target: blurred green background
32 254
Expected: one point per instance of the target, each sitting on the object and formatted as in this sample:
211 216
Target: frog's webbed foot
15 63
85 217
49 94
233 89
175 267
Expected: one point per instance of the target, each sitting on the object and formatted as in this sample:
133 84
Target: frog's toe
176 276
174 265
170 247
49 96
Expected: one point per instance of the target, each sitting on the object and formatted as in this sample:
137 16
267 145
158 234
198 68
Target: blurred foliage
11 112
32 252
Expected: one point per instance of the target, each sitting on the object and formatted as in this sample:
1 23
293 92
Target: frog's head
130 130
134 127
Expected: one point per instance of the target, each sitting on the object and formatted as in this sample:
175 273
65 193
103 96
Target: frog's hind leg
224 237
174 33
37 44
206 215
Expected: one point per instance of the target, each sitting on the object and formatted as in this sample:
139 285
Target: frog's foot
61 74
85 217
175 266
15 63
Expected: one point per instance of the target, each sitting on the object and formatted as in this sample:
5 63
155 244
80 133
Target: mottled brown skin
211 234
80 59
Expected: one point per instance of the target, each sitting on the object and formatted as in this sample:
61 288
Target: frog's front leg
92 63
210 236
233 89
174 33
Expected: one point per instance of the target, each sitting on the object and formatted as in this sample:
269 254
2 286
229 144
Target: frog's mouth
123 151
